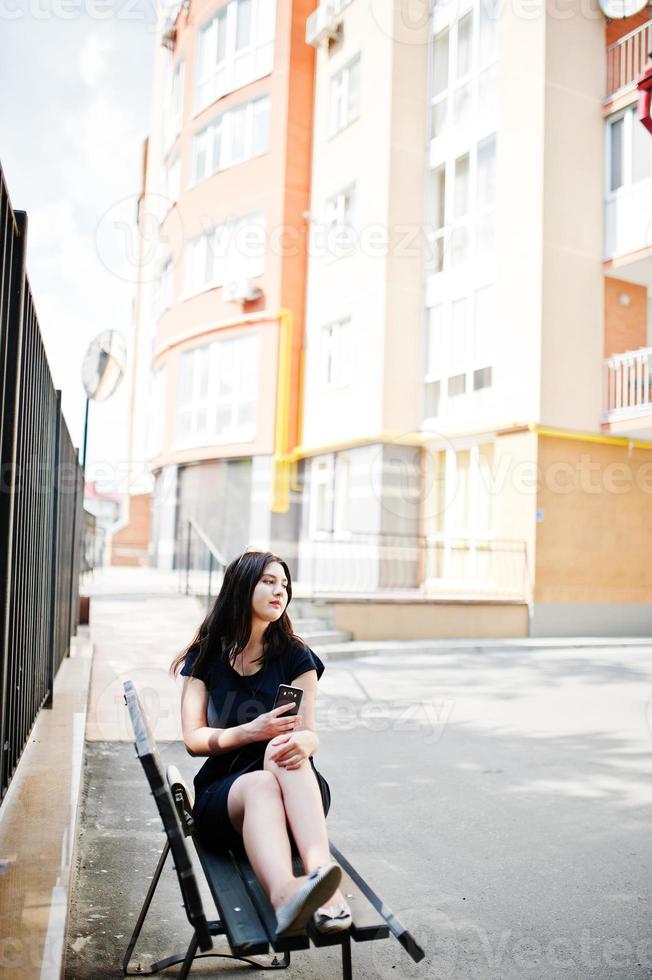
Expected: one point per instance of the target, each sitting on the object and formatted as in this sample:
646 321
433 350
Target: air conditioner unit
240 289
321 25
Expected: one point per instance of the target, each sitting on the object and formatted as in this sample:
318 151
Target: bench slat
368 924
264 906
245 932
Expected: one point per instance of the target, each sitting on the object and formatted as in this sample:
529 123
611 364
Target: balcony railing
626 59
628 384
437 566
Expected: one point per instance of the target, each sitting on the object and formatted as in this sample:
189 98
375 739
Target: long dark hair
229 619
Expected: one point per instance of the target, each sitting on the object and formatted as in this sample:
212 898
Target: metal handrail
216 559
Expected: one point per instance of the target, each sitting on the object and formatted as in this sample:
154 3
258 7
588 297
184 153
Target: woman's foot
335 903
313 889
333 917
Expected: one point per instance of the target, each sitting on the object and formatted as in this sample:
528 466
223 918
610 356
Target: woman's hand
272 723
291 751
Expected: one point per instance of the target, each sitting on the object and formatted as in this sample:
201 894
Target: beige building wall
573 294
379 286
593 568
402 378
520 214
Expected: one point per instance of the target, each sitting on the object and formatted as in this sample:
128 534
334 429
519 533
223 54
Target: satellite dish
103 366
619 9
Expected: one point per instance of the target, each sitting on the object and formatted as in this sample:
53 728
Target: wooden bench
245 917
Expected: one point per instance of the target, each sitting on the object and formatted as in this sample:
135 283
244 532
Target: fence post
52 625
11 353
188 562
73 545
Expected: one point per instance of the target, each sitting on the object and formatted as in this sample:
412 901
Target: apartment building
220 304
457 427
456 421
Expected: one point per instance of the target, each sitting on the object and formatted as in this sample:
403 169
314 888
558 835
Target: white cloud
93 60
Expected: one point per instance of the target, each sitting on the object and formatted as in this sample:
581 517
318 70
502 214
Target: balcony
626 59
627 404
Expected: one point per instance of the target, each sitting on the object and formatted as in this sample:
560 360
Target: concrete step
309 625
326 638
397 648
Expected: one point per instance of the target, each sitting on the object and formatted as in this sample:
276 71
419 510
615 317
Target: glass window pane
464 29
220 47
438 196
488 91
458 334
260 142
461 186
438 120
486 233
486 188
489 10
482 379
435 353
641 149
440 63
616 153
353 90
459 245
243 24
217 145
484 326
433 396
462 105
456 385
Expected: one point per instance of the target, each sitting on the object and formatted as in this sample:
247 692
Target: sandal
320 885
329 919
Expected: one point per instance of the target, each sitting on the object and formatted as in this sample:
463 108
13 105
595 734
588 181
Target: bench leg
190 955
145 908
347 971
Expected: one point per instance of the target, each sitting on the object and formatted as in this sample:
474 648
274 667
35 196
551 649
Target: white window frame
340 87
321 492
339 221
336 352
224 121
243 351
217 251
238 67
441 367
630 120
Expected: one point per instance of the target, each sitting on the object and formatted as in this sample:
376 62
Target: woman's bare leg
256 810
305 814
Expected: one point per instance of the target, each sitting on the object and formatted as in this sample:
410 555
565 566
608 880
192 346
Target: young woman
259 783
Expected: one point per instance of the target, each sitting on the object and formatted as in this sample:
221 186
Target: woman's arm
294 749
201 740
198 737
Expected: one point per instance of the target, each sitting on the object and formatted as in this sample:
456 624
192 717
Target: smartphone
288 695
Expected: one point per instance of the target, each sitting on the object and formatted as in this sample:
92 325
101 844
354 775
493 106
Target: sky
75 96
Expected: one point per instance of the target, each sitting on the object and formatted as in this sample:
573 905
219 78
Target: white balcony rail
627 57
628 384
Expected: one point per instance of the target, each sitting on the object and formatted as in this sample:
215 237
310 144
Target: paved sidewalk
499 800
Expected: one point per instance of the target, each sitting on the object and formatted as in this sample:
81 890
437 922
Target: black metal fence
41 507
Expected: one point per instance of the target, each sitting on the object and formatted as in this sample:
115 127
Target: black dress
235 700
